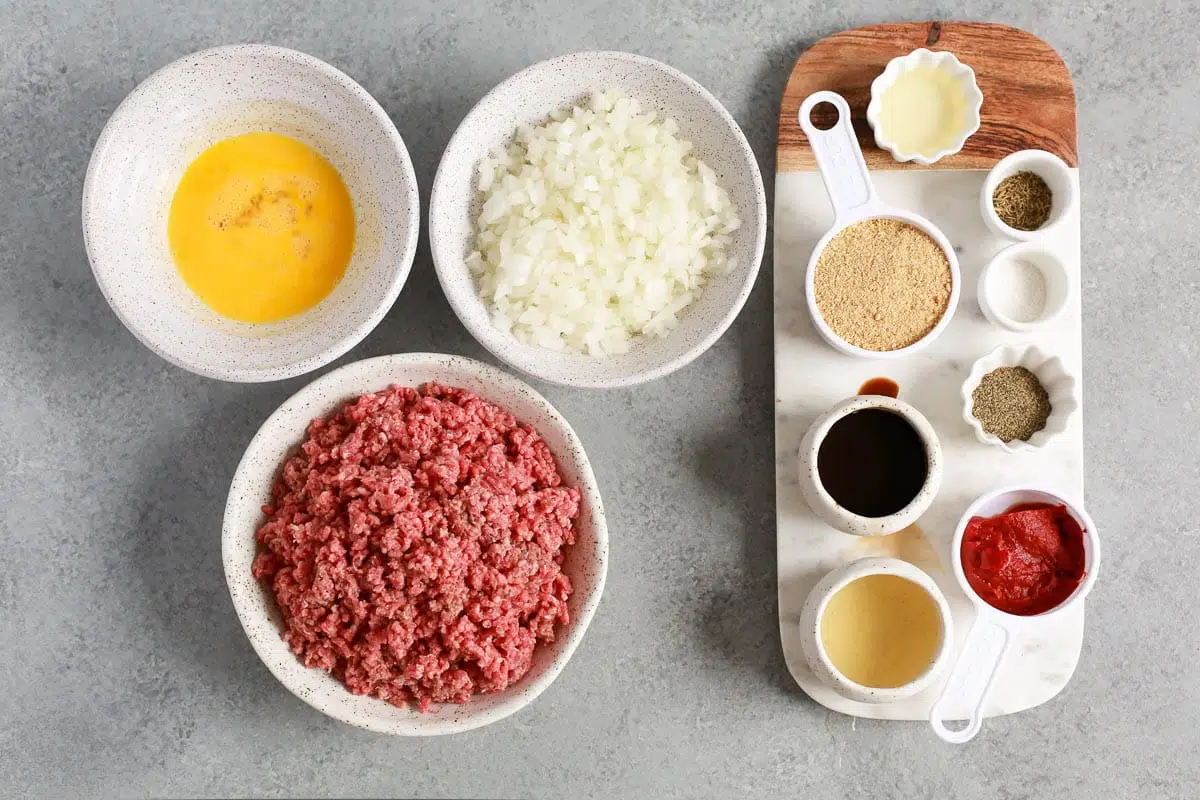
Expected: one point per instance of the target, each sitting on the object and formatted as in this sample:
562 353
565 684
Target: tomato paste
1025 561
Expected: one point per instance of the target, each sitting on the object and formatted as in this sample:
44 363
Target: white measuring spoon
992 635
854 200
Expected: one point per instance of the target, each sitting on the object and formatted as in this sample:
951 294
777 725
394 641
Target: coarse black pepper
1011 403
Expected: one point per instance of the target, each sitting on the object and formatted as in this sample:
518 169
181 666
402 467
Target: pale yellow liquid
881 631
923 112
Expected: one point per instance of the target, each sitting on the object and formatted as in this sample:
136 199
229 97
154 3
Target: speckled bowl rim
403 266
378 373
493 339
826 507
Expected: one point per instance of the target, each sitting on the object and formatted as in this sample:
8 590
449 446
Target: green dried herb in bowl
1023 201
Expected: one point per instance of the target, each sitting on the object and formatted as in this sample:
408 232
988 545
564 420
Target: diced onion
598 227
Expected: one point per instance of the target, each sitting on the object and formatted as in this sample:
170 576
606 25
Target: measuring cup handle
972 678
838 155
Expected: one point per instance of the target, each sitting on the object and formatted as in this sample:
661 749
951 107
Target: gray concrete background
123 671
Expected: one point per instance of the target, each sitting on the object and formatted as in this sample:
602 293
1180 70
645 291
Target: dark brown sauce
872 462
881 386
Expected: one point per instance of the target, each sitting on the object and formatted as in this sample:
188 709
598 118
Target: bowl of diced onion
598 220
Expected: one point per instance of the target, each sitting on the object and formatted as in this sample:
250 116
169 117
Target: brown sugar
882 284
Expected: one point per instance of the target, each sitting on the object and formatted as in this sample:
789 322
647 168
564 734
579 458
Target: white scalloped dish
1053 375
924 106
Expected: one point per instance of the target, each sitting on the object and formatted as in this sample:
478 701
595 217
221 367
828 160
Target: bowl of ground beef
415 544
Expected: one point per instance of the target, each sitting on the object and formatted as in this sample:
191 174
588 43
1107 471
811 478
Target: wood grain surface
1028 97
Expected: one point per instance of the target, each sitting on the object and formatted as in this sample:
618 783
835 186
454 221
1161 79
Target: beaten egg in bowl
261 227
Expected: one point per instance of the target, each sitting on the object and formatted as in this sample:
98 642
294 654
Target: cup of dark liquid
870 466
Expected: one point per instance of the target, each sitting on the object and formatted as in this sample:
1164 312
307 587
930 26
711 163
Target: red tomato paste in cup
1025 561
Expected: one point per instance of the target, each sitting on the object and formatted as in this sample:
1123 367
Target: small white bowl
828 509
1053 375
169 120
942 61
814 648
996 306
1050 168
586 561
528 98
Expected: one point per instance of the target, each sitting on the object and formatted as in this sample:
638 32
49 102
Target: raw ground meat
415 545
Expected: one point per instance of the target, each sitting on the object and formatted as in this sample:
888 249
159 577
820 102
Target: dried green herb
1023 201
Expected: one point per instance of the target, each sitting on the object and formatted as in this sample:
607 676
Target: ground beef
414 546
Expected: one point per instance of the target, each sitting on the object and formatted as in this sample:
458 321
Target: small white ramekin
943 62
1058 285
1060 385
814 649
1047 166
823 504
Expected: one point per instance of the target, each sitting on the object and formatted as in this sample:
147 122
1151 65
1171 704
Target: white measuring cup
994 631
854 200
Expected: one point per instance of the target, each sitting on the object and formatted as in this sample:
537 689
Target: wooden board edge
793 155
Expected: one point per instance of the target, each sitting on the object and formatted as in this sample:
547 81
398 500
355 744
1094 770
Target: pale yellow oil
923 112
881 631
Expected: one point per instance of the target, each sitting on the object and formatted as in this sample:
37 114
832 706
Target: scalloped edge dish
943 61
1053 375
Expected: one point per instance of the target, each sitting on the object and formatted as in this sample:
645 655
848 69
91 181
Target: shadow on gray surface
422 320
177 556
742 624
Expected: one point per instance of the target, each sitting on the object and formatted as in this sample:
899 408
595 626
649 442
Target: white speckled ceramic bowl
814 647
172 117
827 508
1053 375
586 563
529 97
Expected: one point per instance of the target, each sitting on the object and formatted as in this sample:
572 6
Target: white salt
1017 290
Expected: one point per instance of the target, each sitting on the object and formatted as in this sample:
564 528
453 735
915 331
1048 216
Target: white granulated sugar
598 227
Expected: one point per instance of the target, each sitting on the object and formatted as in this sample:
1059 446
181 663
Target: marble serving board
810 376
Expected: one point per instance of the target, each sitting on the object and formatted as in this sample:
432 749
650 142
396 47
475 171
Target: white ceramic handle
838 155
971 680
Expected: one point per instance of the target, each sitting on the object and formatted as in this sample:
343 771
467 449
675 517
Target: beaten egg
261 227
